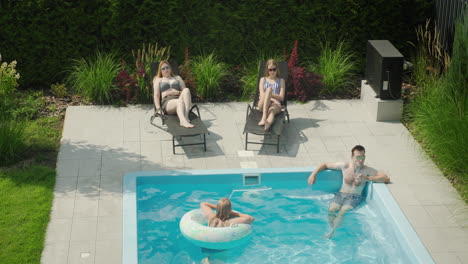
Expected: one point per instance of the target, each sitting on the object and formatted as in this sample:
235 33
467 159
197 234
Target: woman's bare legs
177 106
266 105
187 99
260 103
272 112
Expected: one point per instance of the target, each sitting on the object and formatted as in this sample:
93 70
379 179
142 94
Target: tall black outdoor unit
384 65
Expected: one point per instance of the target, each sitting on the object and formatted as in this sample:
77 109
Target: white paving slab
100 144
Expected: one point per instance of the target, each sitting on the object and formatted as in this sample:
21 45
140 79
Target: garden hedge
44 35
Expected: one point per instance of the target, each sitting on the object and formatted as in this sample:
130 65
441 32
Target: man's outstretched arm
379 177
321 167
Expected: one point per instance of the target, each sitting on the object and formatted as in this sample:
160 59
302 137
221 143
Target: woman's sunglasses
272 69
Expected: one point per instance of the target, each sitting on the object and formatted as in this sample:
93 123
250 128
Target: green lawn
25 202
26 193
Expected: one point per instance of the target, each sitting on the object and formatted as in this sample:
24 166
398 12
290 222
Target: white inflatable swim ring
194 227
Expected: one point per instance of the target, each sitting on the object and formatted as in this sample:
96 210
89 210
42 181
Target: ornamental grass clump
94 78
208 74
249 81
338 65
437 113
149 53
431 59
12 141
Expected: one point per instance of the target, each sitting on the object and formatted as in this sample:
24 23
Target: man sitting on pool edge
355 176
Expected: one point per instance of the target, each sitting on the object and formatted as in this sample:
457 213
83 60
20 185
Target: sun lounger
254 115
172 121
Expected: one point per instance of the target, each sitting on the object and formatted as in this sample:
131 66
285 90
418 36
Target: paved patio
101 144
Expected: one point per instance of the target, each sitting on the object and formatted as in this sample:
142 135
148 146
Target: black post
173 145
246 138
204 141
277 145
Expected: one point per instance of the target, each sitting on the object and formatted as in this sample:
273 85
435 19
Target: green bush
27 106
208 75
94 78
438 113
338 64
13 104
12 141
58 90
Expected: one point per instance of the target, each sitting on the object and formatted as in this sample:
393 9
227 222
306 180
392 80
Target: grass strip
25 203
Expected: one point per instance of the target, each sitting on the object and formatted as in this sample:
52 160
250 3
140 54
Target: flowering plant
8 78
8 83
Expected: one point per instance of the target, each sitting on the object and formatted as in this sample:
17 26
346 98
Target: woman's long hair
223 211
272 62
159 75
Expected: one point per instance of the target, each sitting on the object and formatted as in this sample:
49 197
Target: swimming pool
291 218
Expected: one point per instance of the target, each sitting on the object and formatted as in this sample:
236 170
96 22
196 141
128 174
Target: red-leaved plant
125 82
186 73
302 84
143 93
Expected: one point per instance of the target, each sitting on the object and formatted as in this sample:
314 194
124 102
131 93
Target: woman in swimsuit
272 89
224 215
175 96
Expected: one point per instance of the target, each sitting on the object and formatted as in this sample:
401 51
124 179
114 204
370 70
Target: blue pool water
291 218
